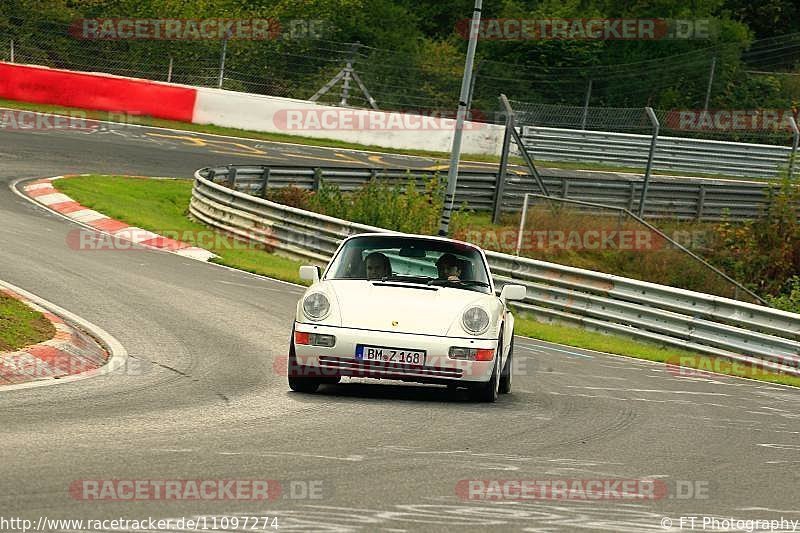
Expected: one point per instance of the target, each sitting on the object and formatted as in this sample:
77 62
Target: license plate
398 356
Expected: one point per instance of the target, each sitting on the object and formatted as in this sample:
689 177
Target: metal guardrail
602 302
675 154
703 199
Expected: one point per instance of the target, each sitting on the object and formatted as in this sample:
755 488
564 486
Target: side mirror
513 292
309 273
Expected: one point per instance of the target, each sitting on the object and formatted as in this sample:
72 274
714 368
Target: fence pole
455 153
222 61
654 120
522 223
346 84
169 70
499 187
348 71
795 142
710 81
523 150
12 50
586 105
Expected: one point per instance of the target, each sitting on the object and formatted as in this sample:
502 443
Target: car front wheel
487 392
297 381
508 370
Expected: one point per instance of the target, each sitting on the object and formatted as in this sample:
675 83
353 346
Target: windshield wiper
458 283
410 279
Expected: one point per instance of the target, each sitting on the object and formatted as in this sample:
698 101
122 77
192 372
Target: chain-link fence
772 126
761 144
285 67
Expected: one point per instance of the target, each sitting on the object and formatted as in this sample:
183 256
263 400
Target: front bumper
339 360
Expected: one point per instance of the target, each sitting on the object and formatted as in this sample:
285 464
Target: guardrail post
232 176
500 183
701 200
564 187
632 196
265 181
795 142
654 120
317 179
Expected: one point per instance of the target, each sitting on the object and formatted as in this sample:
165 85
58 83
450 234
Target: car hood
402 308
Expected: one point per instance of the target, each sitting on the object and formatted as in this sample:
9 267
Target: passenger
378 266
449 267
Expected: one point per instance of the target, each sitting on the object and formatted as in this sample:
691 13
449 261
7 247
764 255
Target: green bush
789 299
408 208
291 196
765 252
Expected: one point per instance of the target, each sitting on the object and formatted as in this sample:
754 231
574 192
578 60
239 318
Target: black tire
296 382
507 375
488 392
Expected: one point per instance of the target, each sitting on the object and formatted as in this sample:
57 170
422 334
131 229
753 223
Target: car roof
414 236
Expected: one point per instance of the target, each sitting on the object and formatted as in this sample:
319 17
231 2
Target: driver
448 267
377 265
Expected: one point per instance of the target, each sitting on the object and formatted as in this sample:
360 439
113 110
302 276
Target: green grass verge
161 206
527 326
333 143
21 326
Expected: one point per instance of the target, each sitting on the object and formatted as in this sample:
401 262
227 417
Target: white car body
378 323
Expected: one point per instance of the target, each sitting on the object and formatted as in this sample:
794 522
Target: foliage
788 299
408 208
291 196
411 55
765 251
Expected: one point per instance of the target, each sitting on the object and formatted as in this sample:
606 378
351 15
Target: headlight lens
475 320
316 306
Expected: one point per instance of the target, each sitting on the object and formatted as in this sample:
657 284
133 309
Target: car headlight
316 306
475 320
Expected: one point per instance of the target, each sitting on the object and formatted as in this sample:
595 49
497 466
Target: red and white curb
78 350
43 192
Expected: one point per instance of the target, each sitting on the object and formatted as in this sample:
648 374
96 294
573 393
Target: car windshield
411 260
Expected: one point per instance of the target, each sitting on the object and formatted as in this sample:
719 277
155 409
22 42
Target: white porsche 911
404 307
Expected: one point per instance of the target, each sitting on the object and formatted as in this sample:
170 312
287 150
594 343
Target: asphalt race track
204 398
